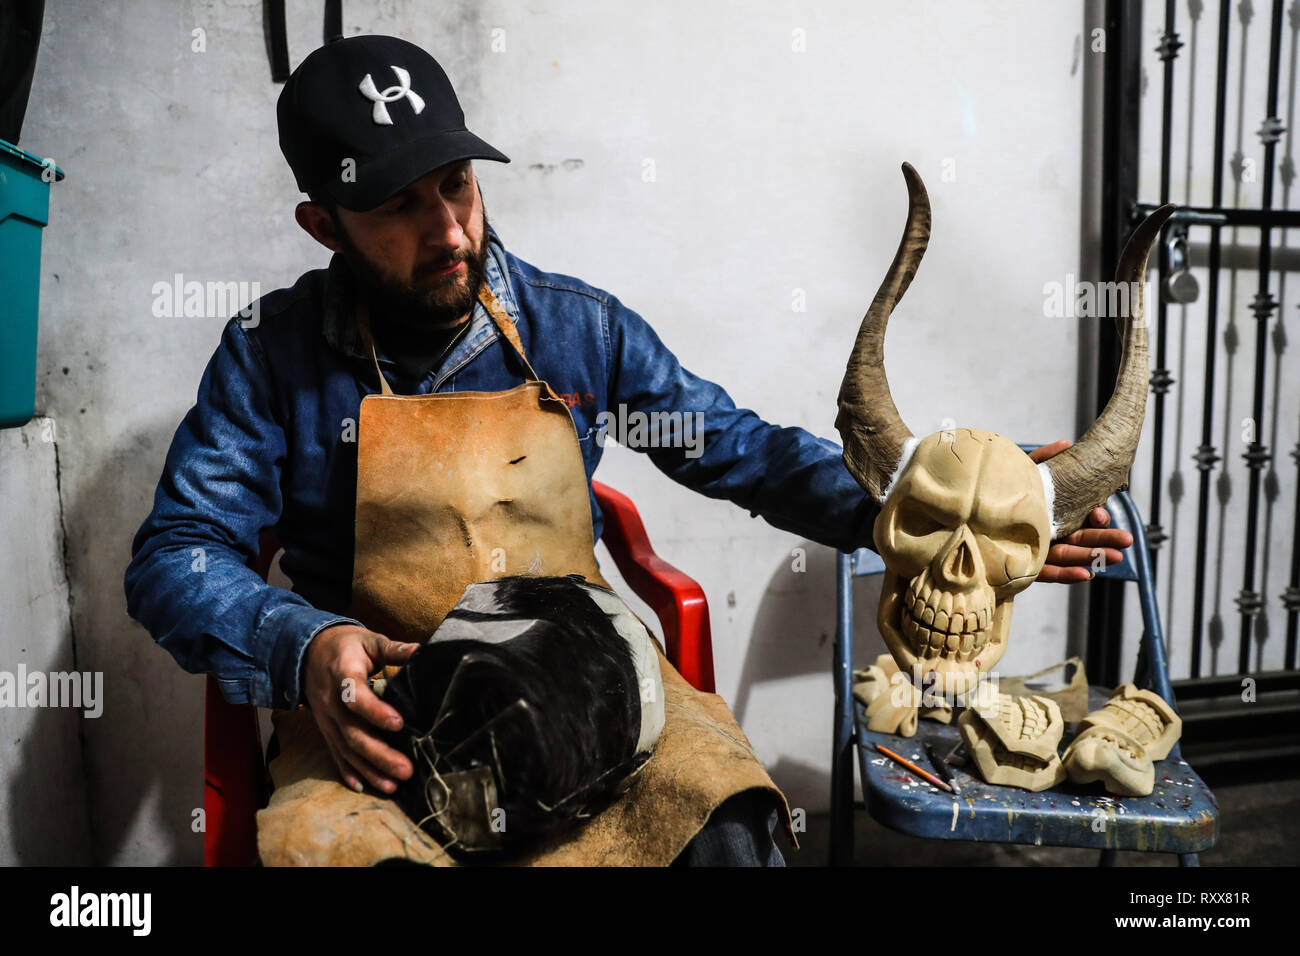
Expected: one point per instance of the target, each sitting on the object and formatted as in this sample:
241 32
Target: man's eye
398 206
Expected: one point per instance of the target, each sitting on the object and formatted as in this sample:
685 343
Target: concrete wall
44 818
775 131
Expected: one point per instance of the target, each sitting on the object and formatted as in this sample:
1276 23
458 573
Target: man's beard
413 308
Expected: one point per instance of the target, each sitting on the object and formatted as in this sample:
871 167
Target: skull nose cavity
958 565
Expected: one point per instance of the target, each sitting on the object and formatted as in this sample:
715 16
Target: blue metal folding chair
1180 816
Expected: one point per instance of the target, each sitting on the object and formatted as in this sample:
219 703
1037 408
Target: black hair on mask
546 720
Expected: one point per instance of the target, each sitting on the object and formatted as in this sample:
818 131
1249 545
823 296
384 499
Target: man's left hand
1070 559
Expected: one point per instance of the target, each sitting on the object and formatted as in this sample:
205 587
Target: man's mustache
462 256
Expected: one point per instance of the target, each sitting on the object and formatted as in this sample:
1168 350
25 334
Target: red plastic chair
235 784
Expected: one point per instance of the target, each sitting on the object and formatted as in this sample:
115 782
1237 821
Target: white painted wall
775 171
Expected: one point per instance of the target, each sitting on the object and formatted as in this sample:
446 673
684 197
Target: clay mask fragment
1013 741
1119 744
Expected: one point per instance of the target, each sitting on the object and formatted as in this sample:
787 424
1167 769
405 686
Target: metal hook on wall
277 43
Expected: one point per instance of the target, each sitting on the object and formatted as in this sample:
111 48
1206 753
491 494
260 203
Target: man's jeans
739 833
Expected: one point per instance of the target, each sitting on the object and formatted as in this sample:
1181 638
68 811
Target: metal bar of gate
1248 600
1206 455
1290 596
1211 216
1123 72
1160 380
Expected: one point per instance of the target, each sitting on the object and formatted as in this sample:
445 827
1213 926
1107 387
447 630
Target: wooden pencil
914 768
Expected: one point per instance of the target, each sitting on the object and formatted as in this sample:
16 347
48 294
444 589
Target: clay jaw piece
1013 742
1113 757
1119 744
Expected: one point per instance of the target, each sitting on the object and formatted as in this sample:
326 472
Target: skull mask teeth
945 624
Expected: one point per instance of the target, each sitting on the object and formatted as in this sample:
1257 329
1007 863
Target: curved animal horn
868 422
1090 471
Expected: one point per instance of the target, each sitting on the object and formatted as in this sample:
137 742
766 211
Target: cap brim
379 178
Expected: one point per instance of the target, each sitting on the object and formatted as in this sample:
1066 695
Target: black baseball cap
381 102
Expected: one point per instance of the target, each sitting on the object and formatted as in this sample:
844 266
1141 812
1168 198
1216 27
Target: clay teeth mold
1013 741
1119 744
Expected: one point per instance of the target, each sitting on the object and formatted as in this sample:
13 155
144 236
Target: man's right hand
338 665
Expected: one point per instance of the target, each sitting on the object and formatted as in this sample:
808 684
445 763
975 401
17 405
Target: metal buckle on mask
462 791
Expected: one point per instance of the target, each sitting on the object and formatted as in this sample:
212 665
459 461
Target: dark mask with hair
534 705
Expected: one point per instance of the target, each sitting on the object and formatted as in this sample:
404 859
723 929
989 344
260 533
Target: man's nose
443 229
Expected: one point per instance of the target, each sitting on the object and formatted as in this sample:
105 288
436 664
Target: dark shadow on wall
50 762
794 635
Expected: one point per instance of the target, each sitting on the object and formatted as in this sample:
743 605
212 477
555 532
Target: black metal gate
1240 695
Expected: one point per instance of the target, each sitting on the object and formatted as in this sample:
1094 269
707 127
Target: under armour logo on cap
358 157
391 95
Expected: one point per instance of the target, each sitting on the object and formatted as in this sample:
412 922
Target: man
374 134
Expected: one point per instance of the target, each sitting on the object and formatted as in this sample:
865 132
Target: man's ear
319 224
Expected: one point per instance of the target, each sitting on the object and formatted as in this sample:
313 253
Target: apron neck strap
500 318
507 327
363 326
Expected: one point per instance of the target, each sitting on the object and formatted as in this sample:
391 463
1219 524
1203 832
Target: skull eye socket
1013 552
918 522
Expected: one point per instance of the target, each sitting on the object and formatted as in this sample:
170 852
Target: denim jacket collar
339 325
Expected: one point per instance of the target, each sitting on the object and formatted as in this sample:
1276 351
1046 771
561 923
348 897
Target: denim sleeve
792 478
189 582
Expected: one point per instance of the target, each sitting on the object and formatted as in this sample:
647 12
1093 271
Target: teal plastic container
24 211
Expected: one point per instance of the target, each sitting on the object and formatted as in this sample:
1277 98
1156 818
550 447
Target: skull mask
965 530
966 516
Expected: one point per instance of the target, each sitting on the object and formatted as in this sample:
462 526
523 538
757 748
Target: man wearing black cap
375 136
358 160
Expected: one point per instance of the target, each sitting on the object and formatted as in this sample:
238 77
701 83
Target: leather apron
455 488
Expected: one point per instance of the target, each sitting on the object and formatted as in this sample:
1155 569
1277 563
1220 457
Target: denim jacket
271 443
